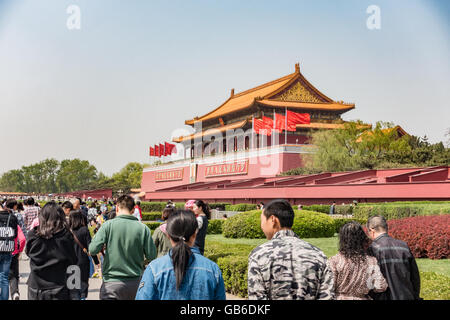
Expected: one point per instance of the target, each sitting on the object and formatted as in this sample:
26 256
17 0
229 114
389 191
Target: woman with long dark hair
355 272
203 214
81 231
50 247
183 273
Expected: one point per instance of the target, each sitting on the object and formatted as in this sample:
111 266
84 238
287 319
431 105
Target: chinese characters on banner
227 169
169 175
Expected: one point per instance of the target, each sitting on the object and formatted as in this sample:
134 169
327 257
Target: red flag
161 150
152 152
262 127
157 151
294 118
169 148
257 125
268 125
280 122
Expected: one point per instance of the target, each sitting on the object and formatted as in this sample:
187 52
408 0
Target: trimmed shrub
339 222
244 225
401 210
158 206
153 225
323 208
235 275
151 216
346 209
241 207
307 224
215 226
427 237
310 224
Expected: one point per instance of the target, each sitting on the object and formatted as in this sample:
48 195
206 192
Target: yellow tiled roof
245 98
266 91
308 105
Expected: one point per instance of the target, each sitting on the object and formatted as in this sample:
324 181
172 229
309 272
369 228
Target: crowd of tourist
170 264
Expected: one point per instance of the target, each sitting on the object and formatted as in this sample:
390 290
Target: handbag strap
78 242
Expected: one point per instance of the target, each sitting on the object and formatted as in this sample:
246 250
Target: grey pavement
94 283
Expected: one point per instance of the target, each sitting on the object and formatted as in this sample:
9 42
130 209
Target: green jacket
162 242
127 242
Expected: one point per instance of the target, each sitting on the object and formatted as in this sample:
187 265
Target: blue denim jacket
202 281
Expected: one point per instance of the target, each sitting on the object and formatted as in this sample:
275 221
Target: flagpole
274 126
253 129
285 126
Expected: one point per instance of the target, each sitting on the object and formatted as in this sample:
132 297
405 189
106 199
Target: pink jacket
35 223
19 241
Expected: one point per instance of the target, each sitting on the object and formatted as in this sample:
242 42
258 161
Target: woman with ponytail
183 273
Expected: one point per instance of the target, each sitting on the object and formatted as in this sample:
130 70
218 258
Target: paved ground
94 283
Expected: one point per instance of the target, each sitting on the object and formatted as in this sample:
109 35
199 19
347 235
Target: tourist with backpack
20 241
8 234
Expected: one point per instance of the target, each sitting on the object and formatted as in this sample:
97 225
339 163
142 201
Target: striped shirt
29 215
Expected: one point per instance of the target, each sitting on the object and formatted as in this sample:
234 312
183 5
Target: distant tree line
52 176
358 148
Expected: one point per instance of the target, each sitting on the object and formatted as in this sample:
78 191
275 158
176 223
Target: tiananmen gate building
227 159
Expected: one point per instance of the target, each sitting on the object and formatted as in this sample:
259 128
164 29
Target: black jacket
49 259
84 237
201 235
398 267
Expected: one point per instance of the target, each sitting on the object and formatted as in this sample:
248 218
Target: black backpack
8 232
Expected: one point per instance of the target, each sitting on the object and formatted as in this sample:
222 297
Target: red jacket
19 241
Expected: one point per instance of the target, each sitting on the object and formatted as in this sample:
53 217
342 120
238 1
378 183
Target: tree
356 148
75 174
128 177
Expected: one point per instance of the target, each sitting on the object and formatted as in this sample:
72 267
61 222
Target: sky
135 70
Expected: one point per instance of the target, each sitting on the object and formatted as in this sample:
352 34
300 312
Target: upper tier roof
292 91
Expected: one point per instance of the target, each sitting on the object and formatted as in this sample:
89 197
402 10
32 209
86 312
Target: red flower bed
427 236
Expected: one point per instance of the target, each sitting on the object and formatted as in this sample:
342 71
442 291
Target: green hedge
307 224
158 206
151 216
323 208
215 226
241 207
243 225
400 210
232 261
339 222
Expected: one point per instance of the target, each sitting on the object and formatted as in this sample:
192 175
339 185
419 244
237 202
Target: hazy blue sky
137 69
